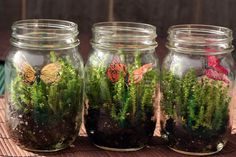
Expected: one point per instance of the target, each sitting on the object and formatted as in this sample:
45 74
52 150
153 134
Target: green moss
125 99
56 98
97 86
170 92
201 103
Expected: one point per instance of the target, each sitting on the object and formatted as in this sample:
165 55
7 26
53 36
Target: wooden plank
165 13
4 148
83 147
161 13
4 133
10 11
83 12
151 151
2 116
10 148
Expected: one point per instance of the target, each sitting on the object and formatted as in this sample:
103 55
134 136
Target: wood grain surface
83 148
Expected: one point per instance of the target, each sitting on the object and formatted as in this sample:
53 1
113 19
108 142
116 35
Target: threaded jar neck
200 39
44 34
124 35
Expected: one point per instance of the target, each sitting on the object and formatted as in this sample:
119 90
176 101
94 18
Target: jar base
44 150
195 153
119 149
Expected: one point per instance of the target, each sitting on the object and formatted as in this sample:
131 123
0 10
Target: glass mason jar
121 85
197 81
44 84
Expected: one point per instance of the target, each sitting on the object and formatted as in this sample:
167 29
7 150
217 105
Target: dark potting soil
40 130
198 141
106 132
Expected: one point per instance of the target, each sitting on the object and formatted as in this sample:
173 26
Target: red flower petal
221 69
210 73
213 61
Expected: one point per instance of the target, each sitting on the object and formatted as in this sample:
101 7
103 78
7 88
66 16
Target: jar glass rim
102 25
47 24
125 35
44 34
200 26
183 37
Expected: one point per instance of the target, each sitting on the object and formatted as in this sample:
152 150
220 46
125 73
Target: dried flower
138 73
214 62
216 75
115 70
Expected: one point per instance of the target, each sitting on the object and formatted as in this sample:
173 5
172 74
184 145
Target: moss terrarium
120 113
44 88
197 112
121 86
45 116
196 88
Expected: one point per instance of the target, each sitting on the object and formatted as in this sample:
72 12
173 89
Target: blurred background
161 13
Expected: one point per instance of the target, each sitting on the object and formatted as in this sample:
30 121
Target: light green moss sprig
119 90
170 92
133 95
201 103
97 86
125 99
58 97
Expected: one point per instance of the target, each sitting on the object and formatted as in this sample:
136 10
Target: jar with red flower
121 84
197 81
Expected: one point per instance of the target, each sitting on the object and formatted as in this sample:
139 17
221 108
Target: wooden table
83 148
